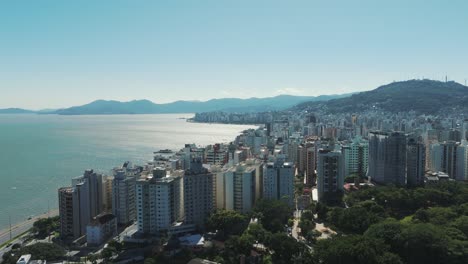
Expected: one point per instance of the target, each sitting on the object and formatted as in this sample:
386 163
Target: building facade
199 193
330 174
387 158
159 202
100 229
124 197
415 162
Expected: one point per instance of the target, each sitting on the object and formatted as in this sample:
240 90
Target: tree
285 248
258 233
435 215
94 258
227 223
306 225
353 249
388 231
311 236
461 224
43 227
352 220
115 244
107 253
274 214
321 210
236 246
307 214
44 251
424 243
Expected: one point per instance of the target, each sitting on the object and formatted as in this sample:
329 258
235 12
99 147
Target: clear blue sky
63 53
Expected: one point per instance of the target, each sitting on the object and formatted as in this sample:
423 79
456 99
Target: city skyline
65 54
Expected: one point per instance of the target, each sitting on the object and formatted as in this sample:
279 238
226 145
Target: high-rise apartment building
278 181
199 193
92 183
80 203
444 157
239 188
159 202
356 157
69 215
311 163
387 157
123 196
216 155
415 162
330 174
461 173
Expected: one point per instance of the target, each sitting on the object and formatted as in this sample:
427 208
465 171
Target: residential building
239 187
199 193
415 162
461 173
444 157
159 202
387 157
278 181
330 174
123 196
69 214
100 229
356 157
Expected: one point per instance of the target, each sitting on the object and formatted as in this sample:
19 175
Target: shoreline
223 123
21 227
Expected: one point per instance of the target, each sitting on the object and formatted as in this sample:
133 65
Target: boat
165 151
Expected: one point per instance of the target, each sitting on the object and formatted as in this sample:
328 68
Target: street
18 229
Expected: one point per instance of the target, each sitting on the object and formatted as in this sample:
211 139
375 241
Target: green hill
421 96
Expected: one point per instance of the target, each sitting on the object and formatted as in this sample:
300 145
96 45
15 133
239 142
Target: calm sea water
40 153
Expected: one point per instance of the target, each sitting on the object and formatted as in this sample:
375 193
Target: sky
57 54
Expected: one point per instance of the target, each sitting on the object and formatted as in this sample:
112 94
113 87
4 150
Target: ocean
40 153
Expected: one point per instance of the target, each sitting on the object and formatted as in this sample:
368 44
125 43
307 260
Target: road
295 231
22 227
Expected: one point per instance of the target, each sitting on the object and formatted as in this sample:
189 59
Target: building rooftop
192 240
102 219
24 259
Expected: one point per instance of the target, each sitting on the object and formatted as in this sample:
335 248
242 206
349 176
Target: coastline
190 120
24 226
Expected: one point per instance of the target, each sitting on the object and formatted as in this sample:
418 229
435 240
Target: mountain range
421 96
103 107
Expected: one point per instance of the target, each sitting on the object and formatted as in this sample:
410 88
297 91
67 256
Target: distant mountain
421 96
102 107
15 111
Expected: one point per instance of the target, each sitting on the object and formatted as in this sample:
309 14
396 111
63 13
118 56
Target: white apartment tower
239 188
159 202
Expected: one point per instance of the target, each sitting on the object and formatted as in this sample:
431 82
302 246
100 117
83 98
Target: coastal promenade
22 227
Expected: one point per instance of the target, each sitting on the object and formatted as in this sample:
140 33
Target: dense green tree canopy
227 223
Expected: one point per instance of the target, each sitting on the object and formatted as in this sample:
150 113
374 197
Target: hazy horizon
61 54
